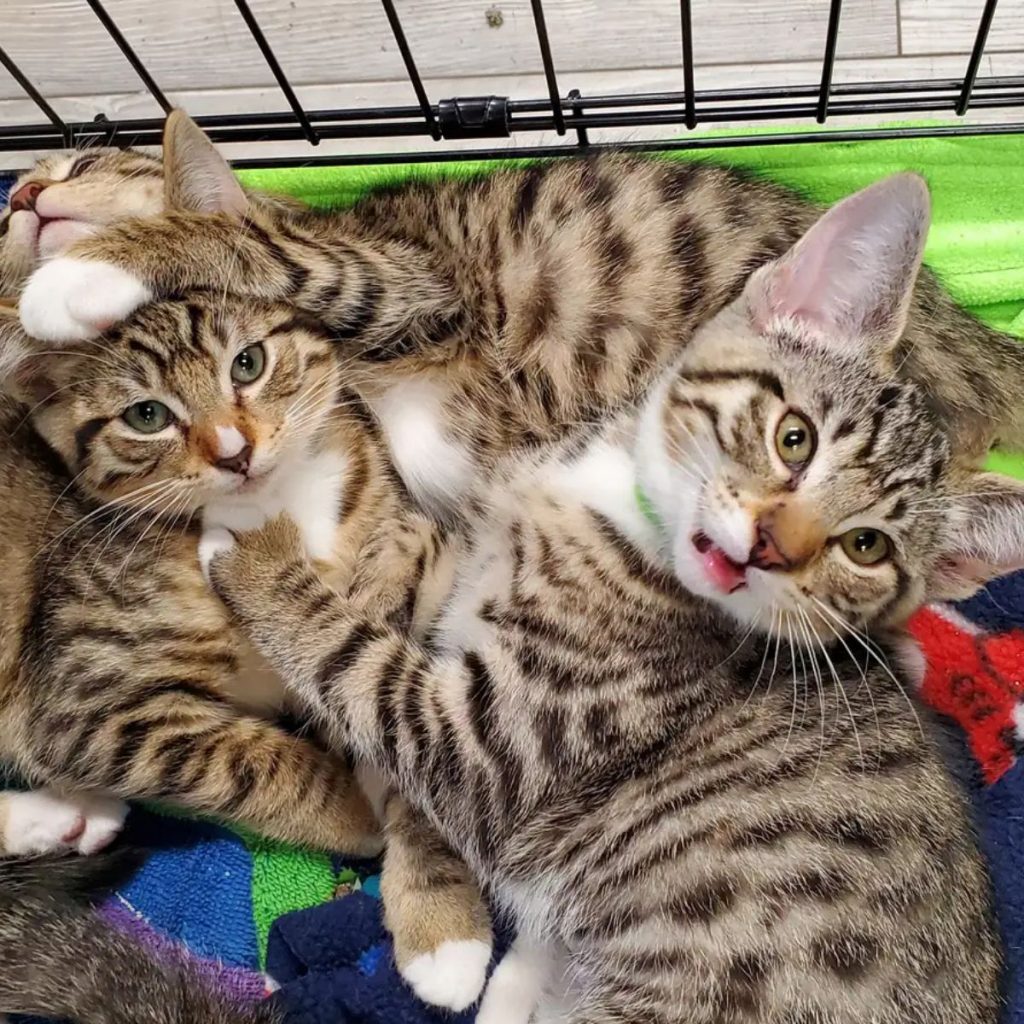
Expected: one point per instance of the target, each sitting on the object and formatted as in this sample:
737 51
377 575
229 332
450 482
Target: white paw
214 541
515 988
451 977
104 819
68 299
42 821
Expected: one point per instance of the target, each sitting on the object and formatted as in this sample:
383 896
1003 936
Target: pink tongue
722 571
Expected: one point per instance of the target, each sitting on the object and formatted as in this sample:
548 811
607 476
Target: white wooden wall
340 53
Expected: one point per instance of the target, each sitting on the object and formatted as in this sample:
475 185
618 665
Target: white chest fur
437 470
309 490
602 478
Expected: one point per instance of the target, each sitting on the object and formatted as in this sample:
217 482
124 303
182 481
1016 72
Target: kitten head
805 487
68 196
186 403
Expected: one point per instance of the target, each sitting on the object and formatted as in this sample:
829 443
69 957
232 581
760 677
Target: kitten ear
850 278
196 176
985 538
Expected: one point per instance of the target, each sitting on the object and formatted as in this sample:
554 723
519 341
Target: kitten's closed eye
83 164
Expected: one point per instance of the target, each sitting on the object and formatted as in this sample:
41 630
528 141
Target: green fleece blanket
976 244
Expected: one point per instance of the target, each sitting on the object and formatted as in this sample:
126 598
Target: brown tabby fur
117 671
428 896
683 834
536 297
61 960
695 834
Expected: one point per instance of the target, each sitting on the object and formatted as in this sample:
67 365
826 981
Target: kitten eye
81 165
248 365
866 547
794 440
147 417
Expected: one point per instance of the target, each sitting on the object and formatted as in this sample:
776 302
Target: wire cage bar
449 121
275 69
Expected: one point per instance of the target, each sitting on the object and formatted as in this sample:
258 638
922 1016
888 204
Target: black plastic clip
474 117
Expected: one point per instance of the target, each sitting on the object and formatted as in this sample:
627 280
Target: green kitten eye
248 365
866 547
147 417
794 439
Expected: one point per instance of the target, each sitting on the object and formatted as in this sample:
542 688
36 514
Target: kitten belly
437 470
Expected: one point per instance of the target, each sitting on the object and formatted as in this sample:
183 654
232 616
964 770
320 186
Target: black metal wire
410 68
282 80
686 28
686 144
35 95
650 109
133 58
659 109
975 62
582 139
549 65
828 64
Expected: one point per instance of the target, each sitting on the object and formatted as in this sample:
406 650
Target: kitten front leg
434 911
178 741
42 821
101 281
371 687
372 294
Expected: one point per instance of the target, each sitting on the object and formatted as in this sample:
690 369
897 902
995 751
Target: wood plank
202 44
949 26
367 94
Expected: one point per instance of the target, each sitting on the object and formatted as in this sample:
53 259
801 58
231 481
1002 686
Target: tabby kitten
652 715
120 671
498 312
118 674
62 961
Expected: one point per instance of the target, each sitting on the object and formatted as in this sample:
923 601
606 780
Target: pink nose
765 553
26 196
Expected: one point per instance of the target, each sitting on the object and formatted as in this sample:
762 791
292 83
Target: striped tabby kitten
498 312
646 715
121 673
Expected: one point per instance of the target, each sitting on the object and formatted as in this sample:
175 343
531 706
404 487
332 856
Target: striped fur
120 671
62 960
701 804
117 671
530 299
728 830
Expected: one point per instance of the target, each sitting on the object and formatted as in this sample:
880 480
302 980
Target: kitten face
807 489
68 196
804 486
186 402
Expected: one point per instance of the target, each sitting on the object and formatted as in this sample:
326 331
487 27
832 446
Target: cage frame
571 116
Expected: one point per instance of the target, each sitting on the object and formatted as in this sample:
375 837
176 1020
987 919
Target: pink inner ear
853 271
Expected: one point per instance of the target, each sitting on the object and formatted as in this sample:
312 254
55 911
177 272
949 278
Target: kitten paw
216 540
68 299
515 989
104 819
452 976
42 821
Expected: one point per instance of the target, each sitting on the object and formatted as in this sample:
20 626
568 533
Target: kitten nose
234 452
238 463
765 554
26 196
